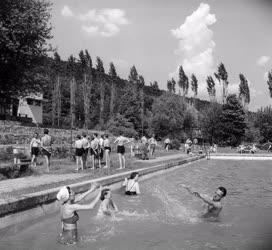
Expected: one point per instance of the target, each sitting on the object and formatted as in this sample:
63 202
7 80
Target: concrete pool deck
29 206
237 156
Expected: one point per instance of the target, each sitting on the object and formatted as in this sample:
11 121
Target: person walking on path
46 145
86 146
167 144
68 209
100 150
152 145
79 153
121 141
107 149
34 149
94 149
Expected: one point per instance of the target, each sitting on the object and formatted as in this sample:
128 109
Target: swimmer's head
134 176
71 194
220 193
105 194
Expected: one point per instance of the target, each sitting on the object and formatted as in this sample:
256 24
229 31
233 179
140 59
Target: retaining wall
35 205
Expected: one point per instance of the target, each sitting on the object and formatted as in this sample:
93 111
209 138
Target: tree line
80 93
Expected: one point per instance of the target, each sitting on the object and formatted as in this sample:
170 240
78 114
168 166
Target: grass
65 166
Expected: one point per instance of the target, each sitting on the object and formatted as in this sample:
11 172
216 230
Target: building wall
30 110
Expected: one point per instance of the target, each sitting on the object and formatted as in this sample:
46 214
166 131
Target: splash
173 209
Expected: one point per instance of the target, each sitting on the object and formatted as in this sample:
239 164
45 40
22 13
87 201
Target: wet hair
46 131
78 137
104 192
223 190
69 189
133 175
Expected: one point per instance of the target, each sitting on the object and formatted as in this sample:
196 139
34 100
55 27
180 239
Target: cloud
91 30
263 60
196 45
66 12
108 21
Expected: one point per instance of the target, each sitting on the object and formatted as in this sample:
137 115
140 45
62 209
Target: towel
63 194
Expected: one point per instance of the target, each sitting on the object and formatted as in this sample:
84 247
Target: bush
121 124
175 144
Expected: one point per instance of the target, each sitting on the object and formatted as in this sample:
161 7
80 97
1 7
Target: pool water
167 217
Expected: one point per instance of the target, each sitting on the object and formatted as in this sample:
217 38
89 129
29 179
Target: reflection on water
166 217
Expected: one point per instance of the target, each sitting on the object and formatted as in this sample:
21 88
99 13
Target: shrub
176 144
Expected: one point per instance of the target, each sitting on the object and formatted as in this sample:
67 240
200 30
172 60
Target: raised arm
196 194
77 207
80 197
205 199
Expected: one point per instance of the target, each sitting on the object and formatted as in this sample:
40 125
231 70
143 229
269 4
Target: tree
244 93
211 88
86 71
269 82
133 76
142 84
233 121
211 123
168 115
100 78
263 122
71 71
113 76
194 85
56 97
183 81
222 76
169 86
173 85
24 30
130 106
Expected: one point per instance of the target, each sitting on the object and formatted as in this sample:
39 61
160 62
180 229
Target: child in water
214 205
132 185
107 206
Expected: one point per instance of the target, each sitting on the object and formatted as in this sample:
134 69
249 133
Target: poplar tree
86 70
71 71
269 82
211 88
183 81
222 76
244 93
113 76
194 85
169 86
141 85
173 85
100 78
56 96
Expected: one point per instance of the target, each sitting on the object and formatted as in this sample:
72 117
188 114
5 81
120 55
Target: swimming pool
166 217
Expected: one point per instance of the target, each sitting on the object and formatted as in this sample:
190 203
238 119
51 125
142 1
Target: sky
158 36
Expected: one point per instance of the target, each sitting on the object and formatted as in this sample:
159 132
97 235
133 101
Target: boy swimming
214 204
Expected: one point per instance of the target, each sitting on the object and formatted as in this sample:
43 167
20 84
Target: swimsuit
69 231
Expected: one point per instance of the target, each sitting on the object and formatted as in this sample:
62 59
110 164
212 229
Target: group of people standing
98 147
41 145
